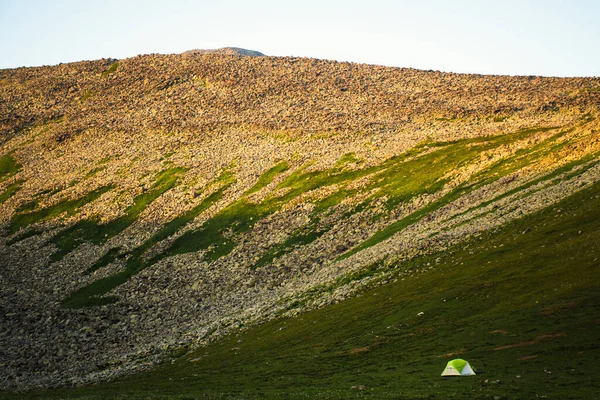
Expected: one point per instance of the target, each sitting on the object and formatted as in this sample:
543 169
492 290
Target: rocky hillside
152 204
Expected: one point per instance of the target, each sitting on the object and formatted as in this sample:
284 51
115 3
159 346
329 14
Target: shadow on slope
520 303
422 170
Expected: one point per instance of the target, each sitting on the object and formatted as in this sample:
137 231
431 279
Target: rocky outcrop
227 51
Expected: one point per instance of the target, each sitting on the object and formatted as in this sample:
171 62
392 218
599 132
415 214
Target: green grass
92 294
24 235
68 207
424 170
399 179
112 69
89 93
348 158
240 215
10 191
94 171
522 307
568 169
300 238
402 223
108 257
268 177
8 166
91 231
522 158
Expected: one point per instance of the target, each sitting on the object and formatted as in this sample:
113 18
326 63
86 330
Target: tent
458 367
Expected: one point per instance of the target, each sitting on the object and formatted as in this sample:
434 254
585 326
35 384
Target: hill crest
228 51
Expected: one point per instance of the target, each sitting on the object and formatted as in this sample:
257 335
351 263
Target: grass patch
214 235
238 217
24 235
419 171
8 166
398 179
549 177
91 231
424 170
68 207
268 177
301 238
94 171
87 94
108 257
402 223
10 191
91 295
524 157
348 158
112 69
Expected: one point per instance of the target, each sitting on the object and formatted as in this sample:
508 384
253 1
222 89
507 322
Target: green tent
458 367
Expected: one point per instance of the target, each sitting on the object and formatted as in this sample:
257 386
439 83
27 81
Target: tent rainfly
458 367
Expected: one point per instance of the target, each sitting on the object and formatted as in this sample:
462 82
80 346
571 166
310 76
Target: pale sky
514 37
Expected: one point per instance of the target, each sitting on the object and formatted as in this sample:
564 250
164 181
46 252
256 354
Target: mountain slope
519 303
158 203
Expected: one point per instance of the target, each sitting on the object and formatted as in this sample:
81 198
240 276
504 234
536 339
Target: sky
546 37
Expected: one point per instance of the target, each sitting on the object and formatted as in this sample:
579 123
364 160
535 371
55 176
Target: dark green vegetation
88 94
446 159
569 170
112 69
302 237
106 259
23 235
520 303
238 216
90 295
70 207
8 167
268 177
95 171
92 231
10 191
398 179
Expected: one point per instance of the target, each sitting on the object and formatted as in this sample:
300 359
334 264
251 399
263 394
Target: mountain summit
229 51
